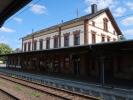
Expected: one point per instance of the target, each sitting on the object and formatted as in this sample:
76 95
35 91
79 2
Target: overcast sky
46 13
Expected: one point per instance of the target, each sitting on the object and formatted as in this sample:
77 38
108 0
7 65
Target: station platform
97 90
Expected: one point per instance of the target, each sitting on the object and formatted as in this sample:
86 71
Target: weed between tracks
18 87
35 94
13 76
1 82
24 92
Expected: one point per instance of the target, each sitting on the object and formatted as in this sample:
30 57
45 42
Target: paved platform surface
108 93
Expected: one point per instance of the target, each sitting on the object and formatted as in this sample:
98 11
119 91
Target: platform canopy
10 7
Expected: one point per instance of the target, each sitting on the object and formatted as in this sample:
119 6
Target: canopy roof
10 7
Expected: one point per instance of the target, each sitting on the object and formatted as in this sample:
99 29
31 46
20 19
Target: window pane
66 40
41 44
47 43
29 46
103 38
35 44
93 38
77 39
56 42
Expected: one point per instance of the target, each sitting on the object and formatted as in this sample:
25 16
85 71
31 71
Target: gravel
24 93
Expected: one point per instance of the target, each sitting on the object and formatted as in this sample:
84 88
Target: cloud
120 11
101 4
3 40
88 10
6 29
130 5
19 20
128 21
128 33
38 9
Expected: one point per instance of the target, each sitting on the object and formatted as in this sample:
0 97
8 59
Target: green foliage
18 87
4 49
13 76
122 38
1 81
35 94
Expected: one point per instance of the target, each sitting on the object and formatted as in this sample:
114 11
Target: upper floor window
105 24
114 39
108 39
66 39
114 32
103 38
41 44
76 37
48 43
25 45
29 46
93 37
35 45
93 23
56 41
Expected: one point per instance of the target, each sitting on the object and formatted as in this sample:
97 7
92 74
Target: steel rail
10 95
54 88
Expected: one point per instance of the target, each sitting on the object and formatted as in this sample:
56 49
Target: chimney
93 8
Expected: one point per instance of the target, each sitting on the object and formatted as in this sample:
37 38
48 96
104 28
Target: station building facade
96 27
85 48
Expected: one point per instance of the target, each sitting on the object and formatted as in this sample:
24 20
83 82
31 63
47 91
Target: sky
40 14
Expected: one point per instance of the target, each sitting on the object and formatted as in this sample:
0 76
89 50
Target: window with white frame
76 37
66 39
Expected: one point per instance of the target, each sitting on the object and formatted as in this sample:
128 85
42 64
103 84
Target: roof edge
87 16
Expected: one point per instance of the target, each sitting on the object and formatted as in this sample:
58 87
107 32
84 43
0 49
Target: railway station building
96 27
86 48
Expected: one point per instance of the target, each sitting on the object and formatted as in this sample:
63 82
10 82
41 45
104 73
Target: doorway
76 65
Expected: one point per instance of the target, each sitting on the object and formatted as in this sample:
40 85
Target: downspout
86 31
59 37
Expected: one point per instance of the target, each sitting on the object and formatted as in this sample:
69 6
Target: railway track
56 92
6 95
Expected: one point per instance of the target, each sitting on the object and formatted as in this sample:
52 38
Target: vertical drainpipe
86 31
59 37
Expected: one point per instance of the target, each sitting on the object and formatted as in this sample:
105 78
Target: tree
122 38
4 49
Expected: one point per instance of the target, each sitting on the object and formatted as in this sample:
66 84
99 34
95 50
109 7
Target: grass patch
1 81
18 87
14 76
35 94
